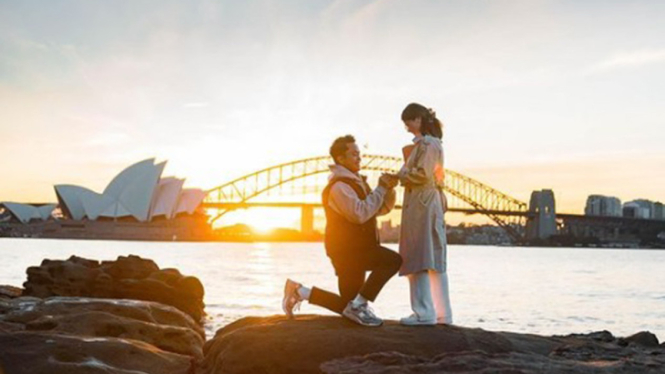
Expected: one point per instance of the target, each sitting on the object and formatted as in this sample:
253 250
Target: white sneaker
361 315
413 320
292 299
370 311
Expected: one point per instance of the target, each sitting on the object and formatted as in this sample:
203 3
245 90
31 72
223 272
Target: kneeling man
351 240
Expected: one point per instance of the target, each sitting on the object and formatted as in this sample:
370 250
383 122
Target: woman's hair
430 125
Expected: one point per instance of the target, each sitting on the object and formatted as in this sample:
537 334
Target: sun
262 224
263 220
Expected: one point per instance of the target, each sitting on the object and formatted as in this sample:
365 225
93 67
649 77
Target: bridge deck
233 206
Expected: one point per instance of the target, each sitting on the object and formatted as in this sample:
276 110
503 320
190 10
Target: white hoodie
344 200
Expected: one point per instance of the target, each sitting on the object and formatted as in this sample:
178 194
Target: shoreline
320 241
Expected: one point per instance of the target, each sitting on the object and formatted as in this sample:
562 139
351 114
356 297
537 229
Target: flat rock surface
26 309
87 335
333 345
37 353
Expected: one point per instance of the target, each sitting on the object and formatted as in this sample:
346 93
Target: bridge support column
307 220
542 222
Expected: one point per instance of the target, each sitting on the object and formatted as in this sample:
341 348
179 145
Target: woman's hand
388 180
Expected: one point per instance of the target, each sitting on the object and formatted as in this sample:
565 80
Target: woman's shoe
413 320
443 321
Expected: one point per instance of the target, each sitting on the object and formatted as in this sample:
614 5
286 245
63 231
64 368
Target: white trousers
429 296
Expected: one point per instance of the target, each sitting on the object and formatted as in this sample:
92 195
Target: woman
423 231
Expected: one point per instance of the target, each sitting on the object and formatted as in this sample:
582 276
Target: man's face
351 158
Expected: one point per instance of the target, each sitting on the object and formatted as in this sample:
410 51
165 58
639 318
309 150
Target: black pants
383 264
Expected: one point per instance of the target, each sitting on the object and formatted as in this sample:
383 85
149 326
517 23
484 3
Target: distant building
26 213
634 210
659 210
389 233
477 235
603 206
138 193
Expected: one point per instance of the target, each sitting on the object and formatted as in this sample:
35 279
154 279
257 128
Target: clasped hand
388 180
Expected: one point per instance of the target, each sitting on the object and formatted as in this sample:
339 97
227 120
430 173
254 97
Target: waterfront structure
659 210
137 193
138 204
25 213
640 208
542 223
389 233
634 210
603 206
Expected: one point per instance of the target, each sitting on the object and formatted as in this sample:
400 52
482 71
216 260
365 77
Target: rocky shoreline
130 316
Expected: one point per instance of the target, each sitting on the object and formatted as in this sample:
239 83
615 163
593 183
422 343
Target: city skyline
533 95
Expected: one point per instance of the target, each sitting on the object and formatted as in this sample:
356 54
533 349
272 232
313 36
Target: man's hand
388 181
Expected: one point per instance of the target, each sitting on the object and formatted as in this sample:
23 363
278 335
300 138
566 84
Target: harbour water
521 289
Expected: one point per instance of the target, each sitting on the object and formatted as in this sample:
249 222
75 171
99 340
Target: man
351 240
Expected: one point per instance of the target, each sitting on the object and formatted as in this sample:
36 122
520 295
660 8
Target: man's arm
388 202
344 200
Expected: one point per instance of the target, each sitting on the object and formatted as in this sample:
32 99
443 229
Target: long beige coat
422 242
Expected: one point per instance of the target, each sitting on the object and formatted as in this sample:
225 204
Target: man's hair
340 146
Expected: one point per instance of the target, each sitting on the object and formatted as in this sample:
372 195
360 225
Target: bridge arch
505 210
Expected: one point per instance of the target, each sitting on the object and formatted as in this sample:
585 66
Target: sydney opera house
138 203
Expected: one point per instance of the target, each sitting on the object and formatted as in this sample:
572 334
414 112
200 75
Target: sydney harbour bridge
298 184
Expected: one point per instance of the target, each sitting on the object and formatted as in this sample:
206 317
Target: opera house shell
27 212
138 193
138 204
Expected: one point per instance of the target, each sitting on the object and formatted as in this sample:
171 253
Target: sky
568 95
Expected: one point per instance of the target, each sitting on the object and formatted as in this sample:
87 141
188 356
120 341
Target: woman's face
413 125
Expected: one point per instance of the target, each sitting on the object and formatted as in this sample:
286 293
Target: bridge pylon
307 220
541 224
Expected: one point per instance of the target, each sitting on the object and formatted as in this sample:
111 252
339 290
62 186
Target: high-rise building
647 208
659 210
605 206
633 209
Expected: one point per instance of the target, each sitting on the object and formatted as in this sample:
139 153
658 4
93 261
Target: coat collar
339 171
425 139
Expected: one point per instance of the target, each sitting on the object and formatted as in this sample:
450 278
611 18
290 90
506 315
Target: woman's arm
422 171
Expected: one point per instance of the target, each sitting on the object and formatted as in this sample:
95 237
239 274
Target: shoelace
369 311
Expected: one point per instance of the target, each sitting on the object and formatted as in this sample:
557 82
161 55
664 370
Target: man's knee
393 260
397 261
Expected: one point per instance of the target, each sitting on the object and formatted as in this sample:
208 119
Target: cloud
196 105
632 59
